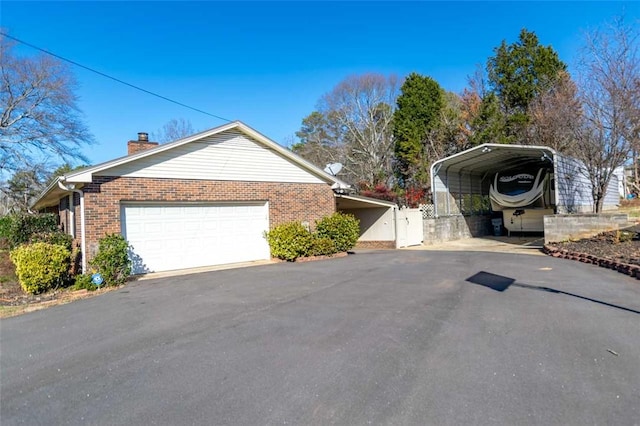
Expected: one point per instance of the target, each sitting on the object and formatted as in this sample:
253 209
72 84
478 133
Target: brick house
202 200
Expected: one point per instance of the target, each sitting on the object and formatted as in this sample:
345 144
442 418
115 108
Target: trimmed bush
342 229
289 241
20 228
112 260
322 246
40 266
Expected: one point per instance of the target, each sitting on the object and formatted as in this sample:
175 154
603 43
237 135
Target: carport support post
448 193
471 195
460 192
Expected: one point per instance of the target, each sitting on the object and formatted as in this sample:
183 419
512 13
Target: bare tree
450 135
483 120
173 130
359 115
554 116
633 112
39 116
609 72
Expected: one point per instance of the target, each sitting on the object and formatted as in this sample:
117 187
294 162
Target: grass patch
11 311
632 211
8 278
631 207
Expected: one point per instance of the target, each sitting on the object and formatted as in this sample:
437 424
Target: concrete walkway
515 244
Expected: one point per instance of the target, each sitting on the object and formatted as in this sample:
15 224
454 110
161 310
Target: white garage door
166 237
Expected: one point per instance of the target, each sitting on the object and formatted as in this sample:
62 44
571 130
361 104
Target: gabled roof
78 178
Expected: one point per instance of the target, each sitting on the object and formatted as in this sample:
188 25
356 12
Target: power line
112 78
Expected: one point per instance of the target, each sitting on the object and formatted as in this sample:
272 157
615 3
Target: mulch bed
618 250
313 258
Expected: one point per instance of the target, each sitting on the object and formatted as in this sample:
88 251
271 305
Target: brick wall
137 146
287 201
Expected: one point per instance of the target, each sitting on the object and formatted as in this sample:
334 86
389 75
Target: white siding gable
228 156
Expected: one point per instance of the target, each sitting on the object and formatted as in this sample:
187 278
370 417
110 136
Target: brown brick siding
287 201
137 146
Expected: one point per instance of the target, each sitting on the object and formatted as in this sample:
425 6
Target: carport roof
491 158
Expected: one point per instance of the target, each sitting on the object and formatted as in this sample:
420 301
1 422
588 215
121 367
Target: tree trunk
636 183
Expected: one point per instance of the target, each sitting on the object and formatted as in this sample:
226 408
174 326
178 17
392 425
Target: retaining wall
448 228
563 227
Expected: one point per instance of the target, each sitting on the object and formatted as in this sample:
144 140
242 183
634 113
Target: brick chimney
142 144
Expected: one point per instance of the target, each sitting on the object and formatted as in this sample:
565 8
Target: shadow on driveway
501 283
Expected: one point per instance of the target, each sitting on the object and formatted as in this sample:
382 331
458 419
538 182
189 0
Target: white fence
410 229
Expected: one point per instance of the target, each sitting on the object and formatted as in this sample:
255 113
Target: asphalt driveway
384 337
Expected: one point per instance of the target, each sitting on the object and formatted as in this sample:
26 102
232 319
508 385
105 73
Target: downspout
83 243
72 217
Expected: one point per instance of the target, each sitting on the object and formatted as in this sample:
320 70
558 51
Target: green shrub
5 226
343 229
19 228
112 260
58 238
289 241
322 246
40 266
83 282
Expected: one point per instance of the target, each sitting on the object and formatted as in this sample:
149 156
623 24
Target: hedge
40 266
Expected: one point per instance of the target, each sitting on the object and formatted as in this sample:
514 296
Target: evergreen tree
517 74
420 105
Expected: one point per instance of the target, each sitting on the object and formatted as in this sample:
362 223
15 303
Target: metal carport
460 183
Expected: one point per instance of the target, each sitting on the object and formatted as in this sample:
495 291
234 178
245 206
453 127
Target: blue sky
268 63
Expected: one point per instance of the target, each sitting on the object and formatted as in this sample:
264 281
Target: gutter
83 245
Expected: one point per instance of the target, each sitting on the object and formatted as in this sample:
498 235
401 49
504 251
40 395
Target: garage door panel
183 236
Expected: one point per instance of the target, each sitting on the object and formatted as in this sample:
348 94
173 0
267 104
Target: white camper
524 196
